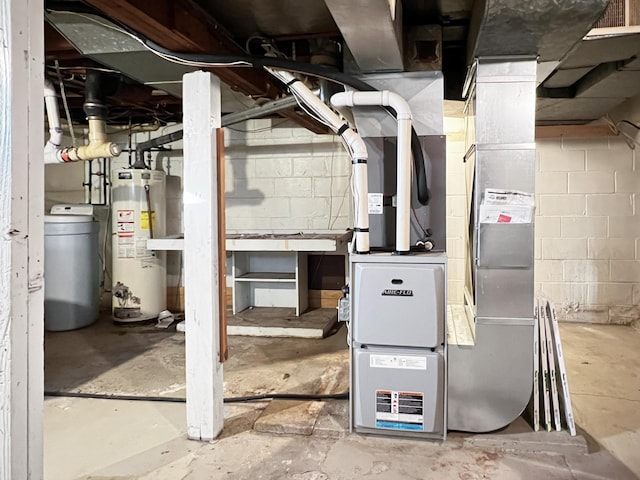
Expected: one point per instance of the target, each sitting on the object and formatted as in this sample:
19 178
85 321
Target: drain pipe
357 150
96 111
386 98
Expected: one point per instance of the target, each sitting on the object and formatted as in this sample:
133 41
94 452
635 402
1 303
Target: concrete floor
107 439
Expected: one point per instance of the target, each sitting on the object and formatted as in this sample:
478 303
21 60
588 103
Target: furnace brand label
390 292
400 410
375 204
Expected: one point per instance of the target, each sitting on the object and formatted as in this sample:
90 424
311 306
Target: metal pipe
261 110
403 186
154 142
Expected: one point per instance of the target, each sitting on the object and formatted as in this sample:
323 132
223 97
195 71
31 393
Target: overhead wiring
246 60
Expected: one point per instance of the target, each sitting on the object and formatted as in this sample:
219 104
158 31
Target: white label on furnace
398 361
375 204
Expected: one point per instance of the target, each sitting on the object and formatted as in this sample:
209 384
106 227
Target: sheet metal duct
547 28
372 30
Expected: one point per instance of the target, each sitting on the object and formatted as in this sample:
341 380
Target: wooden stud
205 414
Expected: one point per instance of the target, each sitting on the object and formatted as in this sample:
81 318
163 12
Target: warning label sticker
124 228
125 216
144 220
375 204
399 410
398 361
126 246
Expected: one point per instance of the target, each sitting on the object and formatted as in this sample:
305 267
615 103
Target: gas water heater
139 274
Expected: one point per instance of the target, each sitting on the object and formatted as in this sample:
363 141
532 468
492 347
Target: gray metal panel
381 168
606 81
373 35
566 77
594 51
548 28
412 321
505 245
490 383
509 120
369 379
424 91
504 293
510 169
574 109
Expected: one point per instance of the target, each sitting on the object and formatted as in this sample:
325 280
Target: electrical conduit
386 98
355 144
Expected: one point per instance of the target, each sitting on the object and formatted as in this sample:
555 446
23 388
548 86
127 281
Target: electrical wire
258 130
248 398
320 71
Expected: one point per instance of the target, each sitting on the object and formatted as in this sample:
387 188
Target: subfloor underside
309 440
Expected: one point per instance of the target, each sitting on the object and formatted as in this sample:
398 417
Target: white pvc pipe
403 186
53 116
358 154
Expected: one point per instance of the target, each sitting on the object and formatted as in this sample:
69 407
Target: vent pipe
386 98
96 87
355 145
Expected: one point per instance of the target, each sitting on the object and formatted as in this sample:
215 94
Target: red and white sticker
125 216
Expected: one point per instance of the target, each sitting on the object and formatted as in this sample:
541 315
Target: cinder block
624 314
241 167
456 269
339 224
455 248
311 167
584 143
456 184
588 314
610 293
593 271
565 294
612 204
564 248
455 292
591 182
247 224
456 206
258 188
551 182
625 271
309 207
293 223
292 187
611 248
274 167
268 207
455 227
580 227
624 227
562 205
537 248
637 248
628 182
336 187
548 226
548 271
636 294
562 160
606 160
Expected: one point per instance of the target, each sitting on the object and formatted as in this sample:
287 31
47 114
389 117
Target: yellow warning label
144 220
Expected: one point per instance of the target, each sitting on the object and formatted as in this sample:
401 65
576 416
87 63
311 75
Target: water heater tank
139 275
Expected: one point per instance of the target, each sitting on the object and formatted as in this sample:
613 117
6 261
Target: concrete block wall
282 177
588 228
456 201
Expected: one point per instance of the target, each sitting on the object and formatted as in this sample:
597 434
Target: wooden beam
182 26
557 131
205 415
21 239
222 250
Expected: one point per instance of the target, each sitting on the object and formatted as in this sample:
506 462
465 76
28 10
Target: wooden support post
201 118
21 239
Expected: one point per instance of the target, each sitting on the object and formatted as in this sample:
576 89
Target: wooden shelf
267 277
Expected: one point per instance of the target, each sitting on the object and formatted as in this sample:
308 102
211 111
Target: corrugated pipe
386 98
357 147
